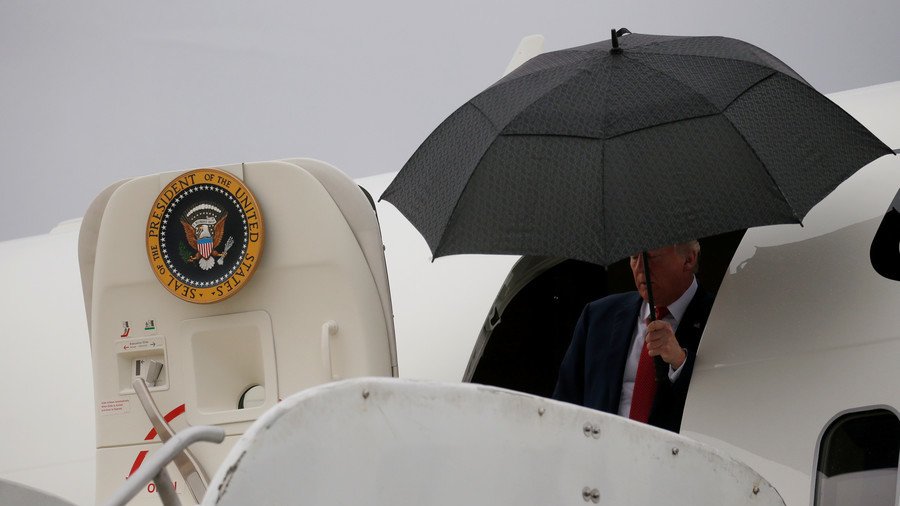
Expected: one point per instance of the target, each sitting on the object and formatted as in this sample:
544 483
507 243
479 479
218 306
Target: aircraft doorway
530 324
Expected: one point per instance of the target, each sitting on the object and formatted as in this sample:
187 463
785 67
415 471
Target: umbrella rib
489 120
756 155
772 72
578 70
499 129
515 76
796 77
608 78
754 85
452 214
601 172
603 224
771 177
572 136
679 81
679 120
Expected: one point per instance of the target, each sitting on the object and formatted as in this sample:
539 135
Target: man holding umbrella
601 150
609 365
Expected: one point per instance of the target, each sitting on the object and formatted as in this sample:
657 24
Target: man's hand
661 341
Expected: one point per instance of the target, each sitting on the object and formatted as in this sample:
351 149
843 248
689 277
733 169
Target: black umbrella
603 150
596 152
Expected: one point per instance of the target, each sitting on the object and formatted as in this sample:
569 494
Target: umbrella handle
646 259
662 368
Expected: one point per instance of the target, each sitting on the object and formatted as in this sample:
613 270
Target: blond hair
688 247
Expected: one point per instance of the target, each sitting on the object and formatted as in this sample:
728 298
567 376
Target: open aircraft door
225 290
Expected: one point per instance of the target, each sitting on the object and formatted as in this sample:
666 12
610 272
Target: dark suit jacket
591 372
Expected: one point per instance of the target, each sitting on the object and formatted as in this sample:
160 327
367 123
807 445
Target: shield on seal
205 246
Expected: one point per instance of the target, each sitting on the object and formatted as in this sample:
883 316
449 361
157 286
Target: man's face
671 272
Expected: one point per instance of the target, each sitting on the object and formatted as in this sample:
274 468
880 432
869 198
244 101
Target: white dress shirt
676 312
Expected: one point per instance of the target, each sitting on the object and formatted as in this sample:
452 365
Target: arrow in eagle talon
228 246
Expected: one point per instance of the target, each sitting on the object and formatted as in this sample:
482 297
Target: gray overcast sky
97 91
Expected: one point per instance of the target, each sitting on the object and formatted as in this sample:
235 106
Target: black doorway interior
522 344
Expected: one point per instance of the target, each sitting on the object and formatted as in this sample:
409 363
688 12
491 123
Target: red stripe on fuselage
152 435
137 462
168 418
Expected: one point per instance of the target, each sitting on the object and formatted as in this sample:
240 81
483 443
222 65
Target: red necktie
645 380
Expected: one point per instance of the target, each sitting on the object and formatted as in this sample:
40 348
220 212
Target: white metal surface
47 436
390 442
358 214
439 309
440 305
15 493
529 47
803 328
313 269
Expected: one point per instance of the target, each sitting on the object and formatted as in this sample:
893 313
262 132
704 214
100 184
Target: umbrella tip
615 39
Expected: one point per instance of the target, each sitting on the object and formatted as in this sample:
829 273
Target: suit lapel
620 338
691 327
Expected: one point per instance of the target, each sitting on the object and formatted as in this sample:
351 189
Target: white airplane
793 398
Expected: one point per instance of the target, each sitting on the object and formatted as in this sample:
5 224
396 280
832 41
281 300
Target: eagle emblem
198 219
204 229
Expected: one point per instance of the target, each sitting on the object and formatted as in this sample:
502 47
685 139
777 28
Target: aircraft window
885 250
858 457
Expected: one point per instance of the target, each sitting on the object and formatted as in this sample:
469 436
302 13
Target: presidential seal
204 236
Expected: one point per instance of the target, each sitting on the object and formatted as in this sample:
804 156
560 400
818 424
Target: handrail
329 329
186 463
154 467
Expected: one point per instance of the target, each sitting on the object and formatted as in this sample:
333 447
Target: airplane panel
803 331
804 327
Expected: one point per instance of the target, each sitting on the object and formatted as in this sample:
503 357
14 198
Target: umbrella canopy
597 152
